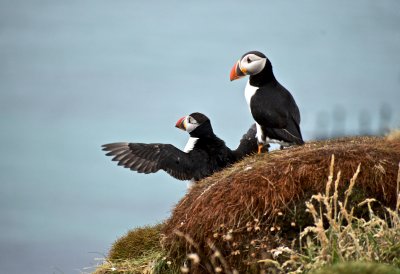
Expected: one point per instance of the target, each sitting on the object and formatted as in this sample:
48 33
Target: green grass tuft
146 263
137 243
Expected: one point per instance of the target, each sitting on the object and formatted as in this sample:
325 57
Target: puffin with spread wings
204 154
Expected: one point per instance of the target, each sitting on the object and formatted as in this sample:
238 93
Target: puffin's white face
252 64
187 123
190 123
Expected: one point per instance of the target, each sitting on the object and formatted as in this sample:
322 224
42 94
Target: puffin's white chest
249 91
190 144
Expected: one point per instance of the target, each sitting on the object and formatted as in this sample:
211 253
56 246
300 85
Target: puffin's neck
263 77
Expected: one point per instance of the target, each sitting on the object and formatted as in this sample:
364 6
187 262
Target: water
78 74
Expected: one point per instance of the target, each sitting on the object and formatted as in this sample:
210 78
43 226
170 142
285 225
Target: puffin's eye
248 60
191 120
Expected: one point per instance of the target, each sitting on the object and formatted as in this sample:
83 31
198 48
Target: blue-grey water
77 74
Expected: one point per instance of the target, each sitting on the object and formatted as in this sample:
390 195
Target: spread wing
150 158
248 143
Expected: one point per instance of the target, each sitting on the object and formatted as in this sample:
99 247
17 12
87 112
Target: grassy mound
298 209
136 252
136 243
233 219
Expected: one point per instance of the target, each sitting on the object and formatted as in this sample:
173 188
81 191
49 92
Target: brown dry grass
240 211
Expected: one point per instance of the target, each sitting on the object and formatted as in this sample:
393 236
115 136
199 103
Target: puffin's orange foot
260 147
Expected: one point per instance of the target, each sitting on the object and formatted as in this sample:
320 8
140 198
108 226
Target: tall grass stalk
339 236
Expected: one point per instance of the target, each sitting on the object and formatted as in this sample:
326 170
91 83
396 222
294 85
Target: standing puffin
204 154
271 104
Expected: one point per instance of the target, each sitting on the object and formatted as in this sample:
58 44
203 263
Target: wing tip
112 146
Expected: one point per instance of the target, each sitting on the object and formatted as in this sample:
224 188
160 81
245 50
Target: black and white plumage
271 104
204 154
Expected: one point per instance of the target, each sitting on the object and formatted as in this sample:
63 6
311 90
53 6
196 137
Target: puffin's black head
196 124
251 63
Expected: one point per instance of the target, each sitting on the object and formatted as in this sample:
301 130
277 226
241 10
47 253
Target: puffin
272 106
203 155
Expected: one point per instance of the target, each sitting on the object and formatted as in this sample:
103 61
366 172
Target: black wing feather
150 158
248 143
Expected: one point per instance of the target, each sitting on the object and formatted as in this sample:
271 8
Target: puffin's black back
274 108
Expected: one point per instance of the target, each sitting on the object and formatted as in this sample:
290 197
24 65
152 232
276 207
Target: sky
78 74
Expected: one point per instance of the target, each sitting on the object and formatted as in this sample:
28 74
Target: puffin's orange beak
181 123
236 72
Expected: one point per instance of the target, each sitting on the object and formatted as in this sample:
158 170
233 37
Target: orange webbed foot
260 147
